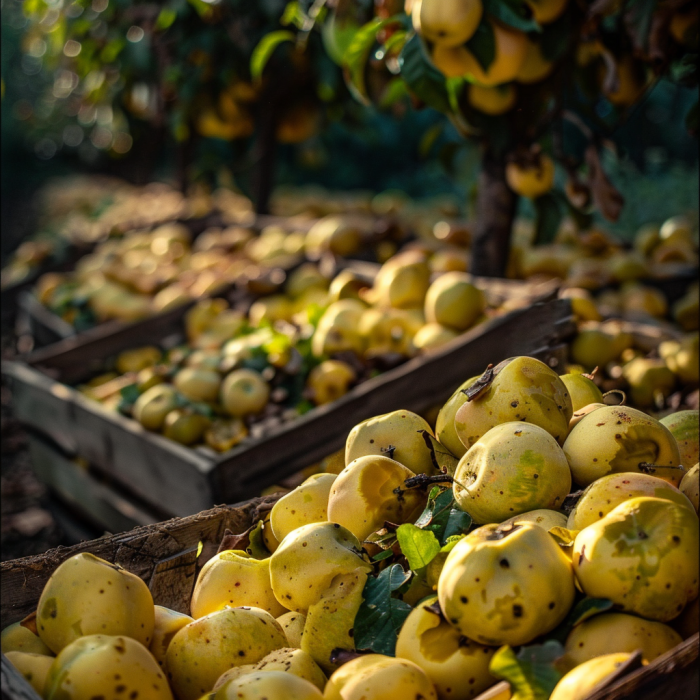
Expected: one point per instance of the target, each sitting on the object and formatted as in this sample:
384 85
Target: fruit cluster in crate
148 272
593 258
641 341
241 373
417 570
80 211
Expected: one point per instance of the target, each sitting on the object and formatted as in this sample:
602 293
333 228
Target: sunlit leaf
264 50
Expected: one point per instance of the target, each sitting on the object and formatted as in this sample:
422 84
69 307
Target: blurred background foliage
149 90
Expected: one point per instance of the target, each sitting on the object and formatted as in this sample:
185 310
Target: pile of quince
435 563
642 343
240 372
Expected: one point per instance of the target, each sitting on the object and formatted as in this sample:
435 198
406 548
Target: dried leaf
606 197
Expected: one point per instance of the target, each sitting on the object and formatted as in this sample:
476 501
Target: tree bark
264 179
495 209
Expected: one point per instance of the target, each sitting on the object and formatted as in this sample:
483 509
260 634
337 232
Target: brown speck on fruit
517 611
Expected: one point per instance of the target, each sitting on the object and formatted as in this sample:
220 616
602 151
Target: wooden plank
13 686
142 551
417 385
674 675
99 503
166 474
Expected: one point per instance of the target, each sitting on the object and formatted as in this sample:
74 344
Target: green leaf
264 50
422 78
455 87
381 616
293 14
418 546
458 524
514 13
396 41
383 555
532 673
257 548
166 17
130 393
548 216
356 54
483 45
394 91
582 611
437 511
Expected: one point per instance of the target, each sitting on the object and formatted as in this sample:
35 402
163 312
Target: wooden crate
178 481
165 556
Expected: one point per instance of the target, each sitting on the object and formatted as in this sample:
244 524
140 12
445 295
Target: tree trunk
495 210
266 152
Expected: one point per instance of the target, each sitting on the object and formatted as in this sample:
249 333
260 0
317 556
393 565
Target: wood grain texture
183 481
148 552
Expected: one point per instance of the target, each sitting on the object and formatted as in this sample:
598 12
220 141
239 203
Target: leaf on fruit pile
441 517
514 13
532 672
582 611
606 197
256 547
443 460
418 546
232 541
381 616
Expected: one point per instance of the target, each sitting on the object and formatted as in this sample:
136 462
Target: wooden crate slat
184 481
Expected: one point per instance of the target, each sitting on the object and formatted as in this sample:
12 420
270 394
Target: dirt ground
26 525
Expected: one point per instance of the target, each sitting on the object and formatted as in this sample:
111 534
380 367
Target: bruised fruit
690 486
399 435
103 666
168 624
268 685
578 683
34 668
294 661
292 624
200 652
379 677
523 389
582 390
364 496
612 633
617 439
234 578
307 503
506 584
453 301
445 425
514 468
609 491
87 595
17 637
458 667
643 556
685 428
307 561
544 518
330 621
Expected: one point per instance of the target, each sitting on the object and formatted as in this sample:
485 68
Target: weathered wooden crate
177 480
165 555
